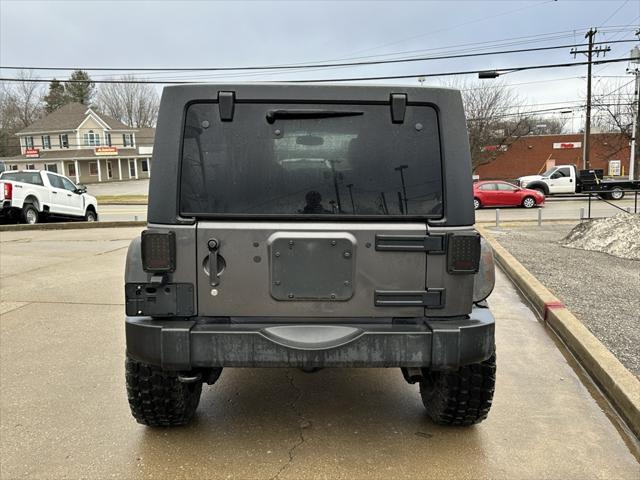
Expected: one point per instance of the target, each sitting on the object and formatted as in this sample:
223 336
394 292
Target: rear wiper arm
273 115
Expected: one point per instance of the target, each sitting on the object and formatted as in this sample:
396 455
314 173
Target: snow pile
618 236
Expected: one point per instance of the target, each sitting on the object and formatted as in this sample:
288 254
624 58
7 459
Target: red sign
106 151
494 148
563 145
32 153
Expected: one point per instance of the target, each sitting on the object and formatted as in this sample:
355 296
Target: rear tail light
463 254
8 191
158 251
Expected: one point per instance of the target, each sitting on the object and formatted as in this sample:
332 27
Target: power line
328 80
303 66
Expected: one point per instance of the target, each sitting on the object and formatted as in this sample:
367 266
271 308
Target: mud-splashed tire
462 397
157 398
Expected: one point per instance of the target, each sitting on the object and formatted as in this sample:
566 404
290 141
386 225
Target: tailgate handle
433 243
213 245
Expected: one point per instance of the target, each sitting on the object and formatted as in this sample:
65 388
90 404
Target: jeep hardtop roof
164 192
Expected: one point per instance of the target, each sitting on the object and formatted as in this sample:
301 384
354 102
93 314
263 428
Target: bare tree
134 104
613 112
614 109
494 119
20 105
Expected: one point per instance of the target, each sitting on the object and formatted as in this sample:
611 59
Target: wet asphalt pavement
64 414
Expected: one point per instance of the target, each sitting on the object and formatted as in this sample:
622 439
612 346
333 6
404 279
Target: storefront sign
563 145
32 153
615 167
107 151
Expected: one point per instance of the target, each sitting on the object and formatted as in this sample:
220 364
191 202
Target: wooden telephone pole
589 53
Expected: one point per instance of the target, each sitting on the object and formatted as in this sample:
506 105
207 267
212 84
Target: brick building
533 154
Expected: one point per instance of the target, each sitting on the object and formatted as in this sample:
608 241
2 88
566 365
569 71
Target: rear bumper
427 343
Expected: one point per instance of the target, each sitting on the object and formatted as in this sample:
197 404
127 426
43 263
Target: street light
404 188
488 74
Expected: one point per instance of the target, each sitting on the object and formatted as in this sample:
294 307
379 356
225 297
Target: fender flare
538 184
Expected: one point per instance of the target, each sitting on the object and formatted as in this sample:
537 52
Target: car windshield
310 159
549 172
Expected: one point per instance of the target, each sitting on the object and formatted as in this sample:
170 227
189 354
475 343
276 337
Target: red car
494 193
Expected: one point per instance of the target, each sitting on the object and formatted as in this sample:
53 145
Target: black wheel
90 216
30 214
476 204
529 202
616 194
462 397
157 398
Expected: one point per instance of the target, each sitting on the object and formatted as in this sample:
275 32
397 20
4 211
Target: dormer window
127 139
107 139
64 140
46 142
28 142
92 139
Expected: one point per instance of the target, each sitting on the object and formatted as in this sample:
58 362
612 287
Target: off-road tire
30 214
529 204
462 397
157 398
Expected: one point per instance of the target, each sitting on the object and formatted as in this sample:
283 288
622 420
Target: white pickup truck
31 195
566 179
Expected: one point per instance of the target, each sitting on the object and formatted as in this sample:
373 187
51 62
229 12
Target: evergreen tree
56 98
80 89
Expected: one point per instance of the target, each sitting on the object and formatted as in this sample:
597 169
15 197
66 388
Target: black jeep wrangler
309 226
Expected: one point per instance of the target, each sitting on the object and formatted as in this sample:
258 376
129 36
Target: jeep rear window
315 159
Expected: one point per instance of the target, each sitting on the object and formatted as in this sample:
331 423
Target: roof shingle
69 117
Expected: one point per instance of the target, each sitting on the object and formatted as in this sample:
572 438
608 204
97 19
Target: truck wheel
529 202
157 398
30 214
540 190
476 204
462 397
616 194
90 216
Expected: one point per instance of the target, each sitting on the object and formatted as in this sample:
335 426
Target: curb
70 226
618 384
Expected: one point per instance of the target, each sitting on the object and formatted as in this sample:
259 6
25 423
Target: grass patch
122 199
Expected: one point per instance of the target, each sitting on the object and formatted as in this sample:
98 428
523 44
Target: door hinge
430 298
435 243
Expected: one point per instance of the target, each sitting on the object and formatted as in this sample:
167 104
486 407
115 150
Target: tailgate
309 270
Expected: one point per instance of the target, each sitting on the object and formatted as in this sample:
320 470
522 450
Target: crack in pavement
302 424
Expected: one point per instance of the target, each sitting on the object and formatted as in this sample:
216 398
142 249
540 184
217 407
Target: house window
64 140
127 139
145 165
30 166
46 141
107 139
92 139
132 168
93 169
51 167
13 167
71 169
28 142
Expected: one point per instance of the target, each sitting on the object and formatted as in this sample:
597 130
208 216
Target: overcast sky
170 34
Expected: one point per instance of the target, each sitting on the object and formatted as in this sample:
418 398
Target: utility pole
634 157
589 53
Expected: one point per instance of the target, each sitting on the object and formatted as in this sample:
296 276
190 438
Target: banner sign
109 151
563 145
32 153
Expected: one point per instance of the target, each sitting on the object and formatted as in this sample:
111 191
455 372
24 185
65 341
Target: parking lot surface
64 412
